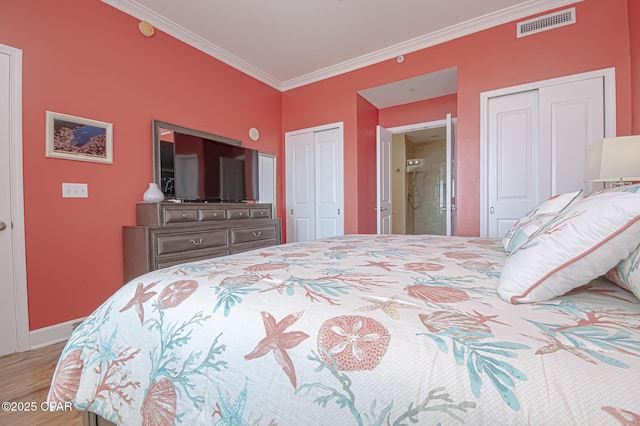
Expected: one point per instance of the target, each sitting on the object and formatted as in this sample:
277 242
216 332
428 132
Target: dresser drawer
176 243
245 235
180 215
210 214
238 214
192 258
260 213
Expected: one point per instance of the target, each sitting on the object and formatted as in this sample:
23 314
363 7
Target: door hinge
338 211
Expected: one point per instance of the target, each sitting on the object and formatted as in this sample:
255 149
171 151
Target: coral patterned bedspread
354 330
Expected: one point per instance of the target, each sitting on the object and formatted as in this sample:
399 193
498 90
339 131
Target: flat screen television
206 169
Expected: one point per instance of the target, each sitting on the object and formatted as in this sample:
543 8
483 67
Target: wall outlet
75 190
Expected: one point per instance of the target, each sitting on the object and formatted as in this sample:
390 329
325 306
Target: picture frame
76 138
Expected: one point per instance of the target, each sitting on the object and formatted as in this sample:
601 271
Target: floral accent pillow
583 242
529 224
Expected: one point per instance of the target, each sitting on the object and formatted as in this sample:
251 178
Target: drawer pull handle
261 213
184 215
240 214
257 234
215 215
197 242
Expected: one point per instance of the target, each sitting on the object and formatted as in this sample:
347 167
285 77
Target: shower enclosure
425 182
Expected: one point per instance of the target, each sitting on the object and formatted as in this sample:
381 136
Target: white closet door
518 166
8 331
329 183
573 120
384 204
301 187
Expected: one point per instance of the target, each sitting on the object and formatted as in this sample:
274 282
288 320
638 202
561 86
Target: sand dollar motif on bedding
176 293
356 342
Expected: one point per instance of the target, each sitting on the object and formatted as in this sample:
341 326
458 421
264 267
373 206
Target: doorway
419 181
422 178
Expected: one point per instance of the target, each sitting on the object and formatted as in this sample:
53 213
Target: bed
354 330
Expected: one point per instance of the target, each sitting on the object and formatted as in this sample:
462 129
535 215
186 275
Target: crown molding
447 34
169 27
481 23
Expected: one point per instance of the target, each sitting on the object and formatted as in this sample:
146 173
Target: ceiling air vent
547 22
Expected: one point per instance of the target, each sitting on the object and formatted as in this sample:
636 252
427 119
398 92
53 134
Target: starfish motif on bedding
141 296
388 306
384 265
278 341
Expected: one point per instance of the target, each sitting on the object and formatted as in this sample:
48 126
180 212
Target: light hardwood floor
25 377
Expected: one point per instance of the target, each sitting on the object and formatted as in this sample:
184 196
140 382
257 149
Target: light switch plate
75 190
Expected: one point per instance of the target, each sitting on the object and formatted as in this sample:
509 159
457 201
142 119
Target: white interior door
518 167
383 209
301 187
329 183
453 178
14 319
449 174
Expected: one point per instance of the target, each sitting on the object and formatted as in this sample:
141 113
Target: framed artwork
77 138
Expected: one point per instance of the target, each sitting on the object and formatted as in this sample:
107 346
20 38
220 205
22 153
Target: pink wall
85 58
488 60
634 39
420 112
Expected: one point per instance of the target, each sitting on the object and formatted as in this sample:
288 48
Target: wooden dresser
171 233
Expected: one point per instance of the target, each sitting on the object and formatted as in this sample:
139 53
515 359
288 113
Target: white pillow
583 242
529 224
627 273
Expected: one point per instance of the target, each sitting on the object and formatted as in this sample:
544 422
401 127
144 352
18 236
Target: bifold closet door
537 143
314 184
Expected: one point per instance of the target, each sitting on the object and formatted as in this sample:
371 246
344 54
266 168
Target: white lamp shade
614 160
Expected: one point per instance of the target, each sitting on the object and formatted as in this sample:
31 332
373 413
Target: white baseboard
53 334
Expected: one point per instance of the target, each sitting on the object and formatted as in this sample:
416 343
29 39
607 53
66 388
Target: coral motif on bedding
437 400
470 347
593 335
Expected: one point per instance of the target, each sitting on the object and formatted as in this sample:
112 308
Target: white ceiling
290 43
